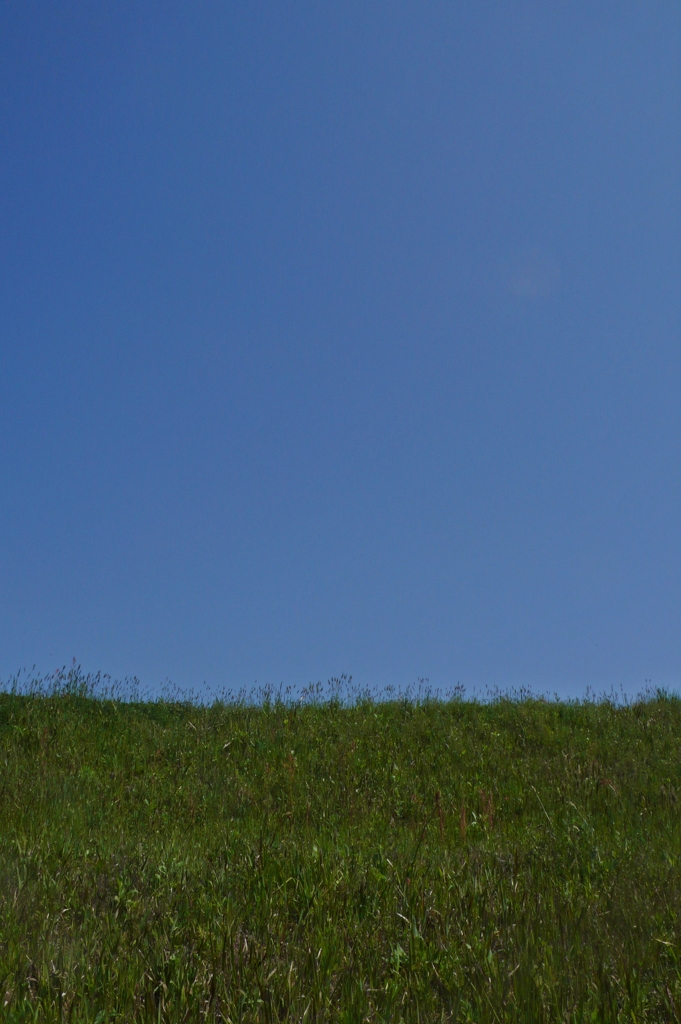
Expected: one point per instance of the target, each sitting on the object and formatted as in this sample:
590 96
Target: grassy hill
416 861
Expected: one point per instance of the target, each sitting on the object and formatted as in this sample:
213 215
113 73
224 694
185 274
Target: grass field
516 860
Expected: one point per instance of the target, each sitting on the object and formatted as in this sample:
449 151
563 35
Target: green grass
419 861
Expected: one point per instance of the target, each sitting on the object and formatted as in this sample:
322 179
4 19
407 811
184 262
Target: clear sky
342 338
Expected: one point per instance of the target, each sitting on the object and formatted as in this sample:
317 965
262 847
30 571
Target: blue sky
342 338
